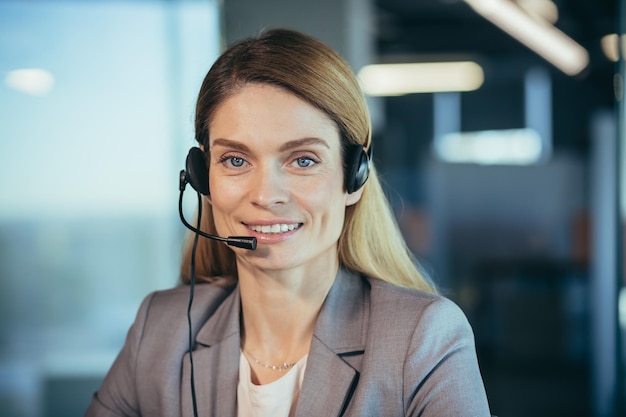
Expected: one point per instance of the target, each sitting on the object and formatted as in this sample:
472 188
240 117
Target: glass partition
97 102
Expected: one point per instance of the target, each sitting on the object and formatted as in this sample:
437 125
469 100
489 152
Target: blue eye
304 162
232 161
236 162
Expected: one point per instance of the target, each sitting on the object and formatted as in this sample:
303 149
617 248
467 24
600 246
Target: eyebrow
302 142
227 143
284 147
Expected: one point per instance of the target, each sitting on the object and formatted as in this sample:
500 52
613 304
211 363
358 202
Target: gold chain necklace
282 367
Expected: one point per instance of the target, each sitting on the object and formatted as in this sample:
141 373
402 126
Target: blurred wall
348 26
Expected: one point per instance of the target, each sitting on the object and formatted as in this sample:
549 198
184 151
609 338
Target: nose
269 187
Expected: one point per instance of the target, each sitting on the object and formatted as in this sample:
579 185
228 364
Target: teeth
274 228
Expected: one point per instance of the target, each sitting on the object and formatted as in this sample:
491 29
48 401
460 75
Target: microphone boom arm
245 242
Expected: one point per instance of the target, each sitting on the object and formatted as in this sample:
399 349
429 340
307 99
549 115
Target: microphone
245 242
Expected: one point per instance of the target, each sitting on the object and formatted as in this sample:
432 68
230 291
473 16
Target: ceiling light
540 9
491 147
543 38
428 77
34 81
611 48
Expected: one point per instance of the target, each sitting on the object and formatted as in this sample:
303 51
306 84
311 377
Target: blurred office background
506 184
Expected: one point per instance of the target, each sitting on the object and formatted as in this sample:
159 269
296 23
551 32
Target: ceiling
452 27
444 29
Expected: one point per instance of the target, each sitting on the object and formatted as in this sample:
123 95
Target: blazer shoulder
415 305
166 310
388 293
203 293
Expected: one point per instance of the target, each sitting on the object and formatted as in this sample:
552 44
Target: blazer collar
341 324
224 323
333 364
216 362
342 321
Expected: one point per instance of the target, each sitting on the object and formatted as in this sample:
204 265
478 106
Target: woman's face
276 174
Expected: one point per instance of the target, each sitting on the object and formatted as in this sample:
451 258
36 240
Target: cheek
224 191
224 200
324 197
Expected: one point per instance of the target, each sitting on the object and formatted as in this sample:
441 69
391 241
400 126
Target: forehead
260 112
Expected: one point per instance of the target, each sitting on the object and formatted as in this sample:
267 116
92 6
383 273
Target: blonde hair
370 242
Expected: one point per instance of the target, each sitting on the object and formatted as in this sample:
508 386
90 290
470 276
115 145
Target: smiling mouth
274 229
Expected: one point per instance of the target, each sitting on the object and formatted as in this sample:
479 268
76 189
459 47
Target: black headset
356 166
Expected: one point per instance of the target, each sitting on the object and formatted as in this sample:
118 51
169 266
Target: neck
280 309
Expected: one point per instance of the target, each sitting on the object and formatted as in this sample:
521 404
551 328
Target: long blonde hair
370 242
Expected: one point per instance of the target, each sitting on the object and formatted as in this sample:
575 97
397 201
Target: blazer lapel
333 364
216 363
337 348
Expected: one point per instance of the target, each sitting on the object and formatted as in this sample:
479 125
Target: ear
354 197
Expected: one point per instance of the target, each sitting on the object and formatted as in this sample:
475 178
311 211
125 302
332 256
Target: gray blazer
377 350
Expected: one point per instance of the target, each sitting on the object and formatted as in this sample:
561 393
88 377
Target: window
97 101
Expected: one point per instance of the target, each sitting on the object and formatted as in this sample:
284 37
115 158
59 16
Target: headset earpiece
357 163
197 172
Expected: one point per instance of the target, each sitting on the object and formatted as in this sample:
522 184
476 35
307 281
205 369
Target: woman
329 316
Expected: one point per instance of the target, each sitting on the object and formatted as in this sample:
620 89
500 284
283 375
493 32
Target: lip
272 237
